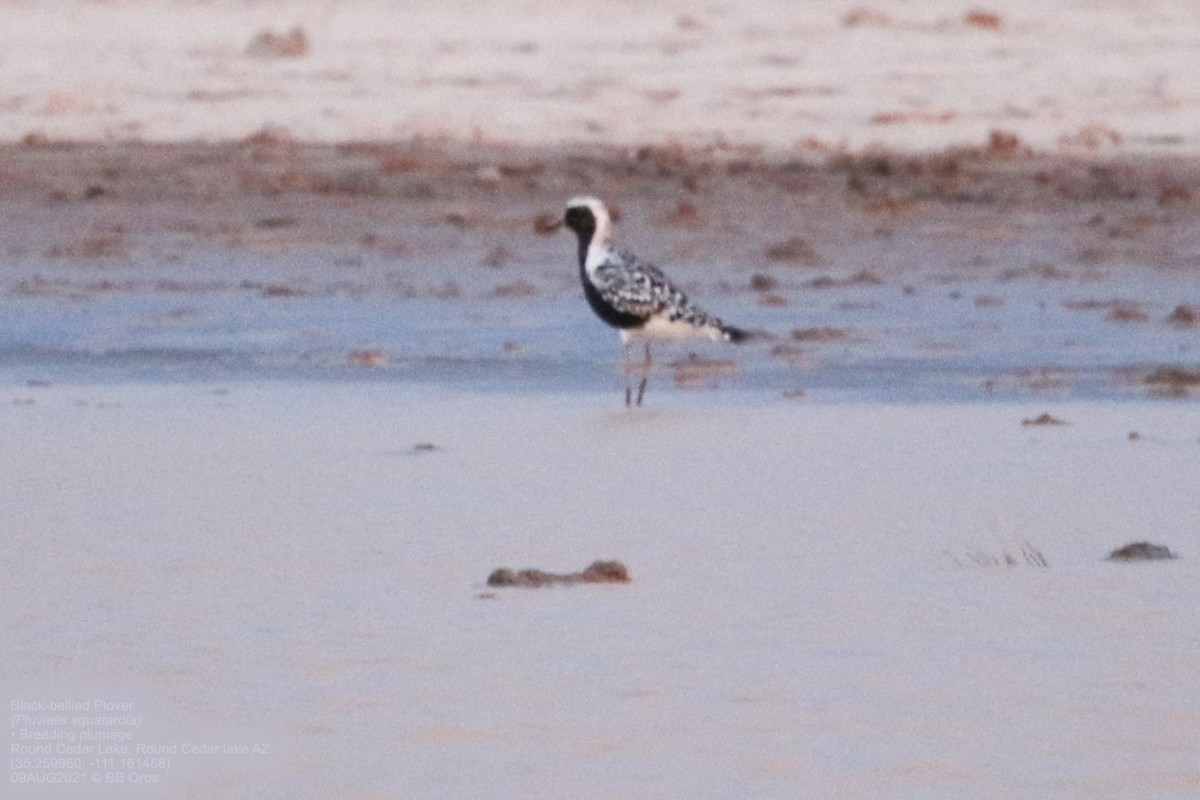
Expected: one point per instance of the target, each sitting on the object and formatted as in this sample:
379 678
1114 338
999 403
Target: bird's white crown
601 241
591 203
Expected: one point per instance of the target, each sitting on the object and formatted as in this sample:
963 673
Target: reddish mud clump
980 18
268 44
368 359
1044 419
1184 316
1142 551
597 572
547 223
761 282
820 335
797 250
1173 381
685 215
1175 196
696 370
863 17
864 277
516 289
1127 313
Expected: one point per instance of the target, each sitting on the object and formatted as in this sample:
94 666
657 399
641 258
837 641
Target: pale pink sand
275 562
1070 76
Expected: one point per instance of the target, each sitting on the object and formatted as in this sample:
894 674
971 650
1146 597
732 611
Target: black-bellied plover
632 296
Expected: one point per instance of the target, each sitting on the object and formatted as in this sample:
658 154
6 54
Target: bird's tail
731 334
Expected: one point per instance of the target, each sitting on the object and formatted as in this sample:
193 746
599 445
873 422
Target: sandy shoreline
1072 78
289 365
311 578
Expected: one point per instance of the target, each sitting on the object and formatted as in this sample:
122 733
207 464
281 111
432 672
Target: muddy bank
1007 270
993 209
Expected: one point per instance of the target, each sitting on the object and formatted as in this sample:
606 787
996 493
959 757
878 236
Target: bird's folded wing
636 288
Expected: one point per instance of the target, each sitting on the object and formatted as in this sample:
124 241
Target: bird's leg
628 388
645 375
641 392
630 367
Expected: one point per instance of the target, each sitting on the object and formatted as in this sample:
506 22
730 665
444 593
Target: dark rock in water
1142 551
597 572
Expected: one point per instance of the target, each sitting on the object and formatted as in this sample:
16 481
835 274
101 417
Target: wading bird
632 296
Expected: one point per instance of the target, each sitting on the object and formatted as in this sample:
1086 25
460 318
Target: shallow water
967 339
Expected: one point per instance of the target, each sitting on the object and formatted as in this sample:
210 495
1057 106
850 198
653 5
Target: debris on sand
1184 316
1028 555
864 277
695 370
101 244
597 572
685 215
820 335
1044 419
366 359
547 223
516 289
1173 381
270 136
1091 137
864 17
761 282
1142 551
268 44
981 18
796 250
1127 313
1175 196
1005 144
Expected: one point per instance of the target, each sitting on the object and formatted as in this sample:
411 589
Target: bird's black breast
581 220
604 310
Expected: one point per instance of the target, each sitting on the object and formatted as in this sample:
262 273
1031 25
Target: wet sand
290 365
974 209
992 270
827 598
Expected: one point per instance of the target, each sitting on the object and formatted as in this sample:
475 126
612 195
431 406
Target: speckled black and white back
631 295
